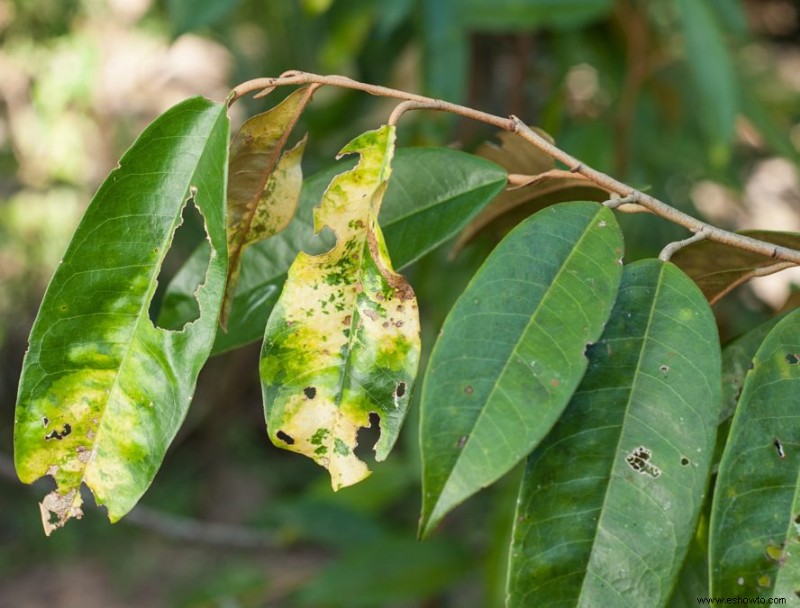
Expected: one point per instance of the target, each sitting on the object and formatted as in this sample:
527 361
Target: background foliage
696 100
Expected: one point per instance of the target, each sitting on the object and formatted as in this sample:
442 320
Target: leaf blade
631 451
342 342
264 183
718 268
753 519
103 390
433 194
514 297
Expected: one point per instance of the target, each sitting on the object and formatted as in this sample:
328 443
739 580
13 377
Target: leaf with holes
624 471
755 520
433 194
512 348
342 343
264 182
718 268
103 391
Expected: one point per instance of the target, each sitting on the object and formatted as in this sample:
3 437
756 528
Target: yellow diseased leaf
342 343
264 182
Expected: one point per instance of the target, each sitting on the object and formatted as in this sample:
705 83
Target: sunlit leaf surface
103 390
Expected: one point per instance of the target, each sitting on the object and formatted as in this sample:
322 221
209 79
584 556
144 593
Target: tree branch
184 529
515 125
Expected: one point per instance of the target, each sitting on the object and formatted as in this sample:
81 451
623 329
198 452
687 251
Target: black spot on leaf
285 438
55 434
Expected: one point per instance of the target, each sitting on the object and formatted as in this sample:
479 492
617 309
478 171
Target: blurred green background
697 101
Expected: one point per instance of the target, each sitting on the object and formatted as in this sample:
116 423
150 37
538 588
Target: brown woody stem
629 194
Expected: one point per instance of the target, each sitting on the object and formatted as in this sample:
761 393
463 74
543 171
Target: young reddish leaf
342 342
264 182
718 268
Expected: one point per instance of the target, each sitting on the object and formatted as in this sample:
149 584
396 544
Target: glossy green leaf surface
264 182
714 76
433 194
342 343
511 351
755 539
718 268
103 390
610 500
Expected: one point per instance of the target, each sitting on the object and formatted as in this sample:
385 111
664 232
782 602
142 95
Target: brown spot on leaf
468 389
347 320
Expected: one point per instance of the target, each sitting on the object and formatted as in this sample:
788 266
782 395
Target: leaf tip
57 509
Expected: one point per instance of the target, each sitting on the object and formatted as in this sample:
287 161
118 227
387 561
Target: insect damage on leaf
264 182
343 340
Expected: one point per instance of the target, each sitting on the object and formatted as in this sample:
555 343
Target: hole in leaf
400 390
779 447
56 434
285 438
684 461
183 308
792 359
367 437
310 392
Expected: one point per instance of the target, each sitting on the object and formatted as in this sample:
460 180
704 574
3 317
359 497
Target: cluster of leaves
606 379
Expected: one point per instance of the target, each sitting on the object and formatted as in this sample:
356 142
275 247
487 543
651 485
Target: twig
407 106
295 77
184 529
515 125
671 248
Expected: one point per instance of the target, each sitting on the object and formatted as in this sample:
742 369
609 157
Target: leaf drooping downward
103 391
264 184
342 342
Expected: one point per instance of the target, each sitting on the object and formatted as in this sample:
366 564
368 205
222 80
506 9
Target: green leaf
433 194
103 390
755 520
342 343
511 351
736 359
718 268
692 581
264 182
714 76
611 498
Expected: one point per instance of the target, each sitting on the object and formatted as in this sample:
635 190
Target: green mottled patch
103 391
264 184
343 339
